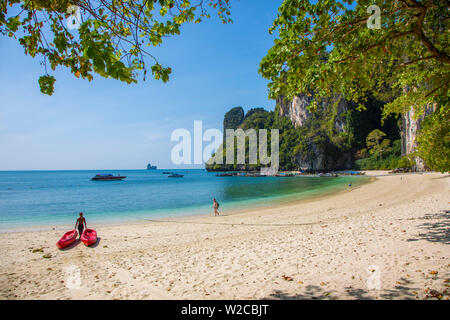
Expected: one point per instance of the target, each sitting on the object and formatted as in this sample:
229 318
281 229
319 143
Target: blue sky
107 124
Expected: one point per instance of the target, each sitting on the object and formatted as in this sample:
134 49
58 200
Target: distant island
150 167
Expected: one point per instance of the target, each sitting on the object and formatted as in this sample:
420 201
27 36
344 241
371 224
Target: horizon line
16 170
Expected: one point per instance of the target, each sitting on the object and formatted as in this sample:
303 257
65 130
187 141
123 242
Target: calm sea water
49 198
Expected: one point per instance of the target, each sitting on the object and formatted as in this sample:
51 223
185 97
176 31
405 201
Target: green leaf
46 84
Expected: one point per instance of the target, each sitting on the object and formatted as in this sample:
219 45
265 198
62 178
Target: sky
108 124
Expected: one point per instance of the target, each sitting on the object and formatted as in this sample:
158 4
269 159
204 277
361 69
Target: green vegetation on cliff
331 138
258 118
233 118
434 140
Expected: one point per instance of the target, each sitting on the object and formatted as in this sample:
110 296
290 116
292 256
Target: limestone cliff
318 156
295 109
411 124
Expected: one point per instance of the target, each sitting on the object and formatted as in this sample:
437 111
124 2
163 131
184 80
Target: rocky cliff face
296 110
411 124
317 158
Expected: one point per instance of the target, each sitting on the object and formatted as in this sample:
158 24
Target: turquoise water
44 198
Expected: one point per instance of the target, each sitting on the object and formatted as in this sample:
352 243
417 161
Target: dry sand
388 239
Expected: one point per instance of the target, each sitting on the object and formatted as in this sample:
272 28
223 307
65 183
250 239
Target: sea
55 198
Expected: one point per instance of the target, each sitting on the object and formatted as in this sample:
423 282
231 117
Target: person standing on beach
216 207
81 222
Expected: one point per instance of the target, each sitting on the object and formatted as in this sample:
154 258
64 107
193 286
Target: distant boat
284 174
150 167
167 172
224 175
107 177
176 175
328 175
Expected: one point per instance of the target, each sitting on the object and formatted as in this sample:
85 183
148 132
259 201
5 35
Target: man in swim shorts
81 222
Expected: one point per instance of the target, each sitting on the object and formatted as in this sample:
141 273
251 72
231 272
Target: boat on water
283 174
150 167
329 174
107 177
167 172
225 175
175 175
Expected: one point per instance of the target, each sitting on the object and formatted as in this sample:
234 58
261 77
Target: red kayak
89 237
67 239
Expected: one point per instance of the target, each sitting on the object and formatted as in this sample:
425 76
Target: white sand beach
388 239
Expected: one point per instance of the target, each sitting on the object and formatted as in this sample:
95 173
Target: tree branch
441 56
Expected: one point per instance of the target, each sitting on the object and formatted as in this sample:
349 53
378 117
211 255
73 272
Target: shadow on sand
73 245
435 231
311 292
96 243
77 242
403 290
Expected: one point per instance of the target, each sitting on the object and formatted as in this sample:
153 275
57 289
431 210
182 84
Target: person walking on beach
81 222
216 207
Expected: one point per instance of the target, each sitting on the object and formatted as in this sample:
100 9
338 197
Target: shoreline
394 229
263 203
